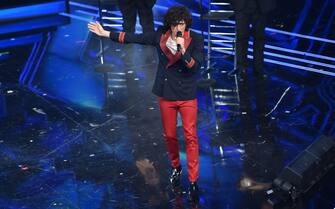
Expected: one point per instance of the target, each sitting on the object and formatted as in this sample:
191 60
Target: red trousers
188 111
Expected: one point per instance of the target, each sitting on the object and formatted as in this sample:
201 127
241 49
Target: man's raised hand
96 28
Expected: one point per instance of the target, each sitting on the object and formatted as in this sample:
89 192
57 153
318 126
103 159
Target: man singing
180 53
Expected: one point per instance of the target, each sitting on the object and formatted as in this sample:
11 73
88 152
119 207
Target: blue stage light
11 14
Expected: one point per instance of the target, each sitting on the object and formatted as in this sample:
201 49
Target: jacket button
179 70
165 79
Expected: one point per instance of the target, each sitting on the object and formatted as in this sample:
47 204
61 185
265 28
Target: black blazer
265 6
176 74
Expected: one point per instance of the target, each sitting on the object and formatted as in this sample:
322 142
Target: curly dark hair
176 14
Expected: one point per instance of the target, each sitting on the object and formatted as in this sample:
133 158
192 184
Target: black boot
194 194
175 179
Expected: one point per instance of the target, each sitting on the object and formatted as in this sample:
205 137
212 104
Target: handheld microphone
179 34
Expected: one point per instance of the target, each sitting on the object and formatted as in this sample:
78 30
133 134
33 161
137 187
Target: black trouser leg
145 13
242 39
129 14
258 28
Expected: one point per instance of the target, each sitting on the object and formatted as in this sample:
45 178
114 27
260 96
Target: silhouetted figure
130 9
251 12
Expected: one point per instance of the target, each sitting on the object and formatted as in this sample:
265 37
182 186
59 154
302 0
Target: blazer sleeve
193 58
141 38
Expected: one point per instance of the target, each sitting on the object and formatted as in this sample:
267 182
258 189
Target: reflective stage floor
56 155
64 146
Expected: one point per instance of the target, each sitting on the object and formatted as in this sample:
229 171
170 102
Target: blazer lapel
173 58
187 39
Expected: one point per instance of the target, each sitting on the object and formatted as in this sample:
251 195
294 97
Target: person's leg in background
146 17
258 29
242 42
146 14
129 14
